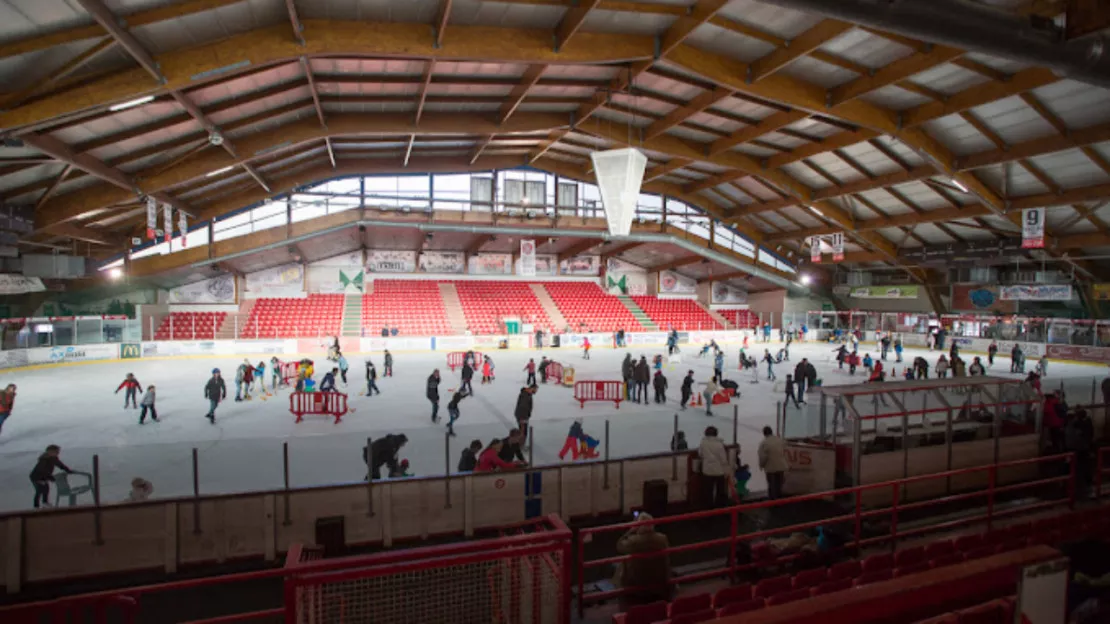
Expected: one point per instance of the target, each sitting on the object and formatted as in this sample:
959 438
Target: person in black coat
371 379
801 373
660 384
469 459
687 388
467 375
215 391
643 378
383 452
453 410
43 473
628 368
523 411
542 368
433 394
510 447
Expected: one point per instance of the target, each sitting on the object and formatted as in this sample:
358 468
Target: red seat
695 617
878 562
729 595
990 613
774 585
785 597
829 587
946 560
909 556
690 604
643 614
965 543
939 548
913 568
737 608
874 577
810 578
979 553
845 570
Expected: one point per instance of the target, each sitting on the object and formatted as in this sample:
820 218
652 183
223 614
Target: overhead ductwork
974 27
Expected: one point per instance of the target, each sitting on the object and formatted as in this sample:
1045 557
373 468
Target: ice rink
73 406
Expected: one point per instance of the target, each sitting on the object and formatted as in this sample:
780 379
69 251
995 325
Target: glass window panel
312 212
535 191
269 222
452 191
514 192
233 232
242 218
567 194
481 193
268 210
414 185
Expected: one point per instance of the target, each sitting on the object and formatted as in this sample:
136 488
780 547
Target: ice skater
342 364
530 368
148 404
260 375
43 474
659 382
898 349
371 379
467 375
327 384
542 368
243 378
432 393
387 366
687 388
215 391
770 364
719 364
275 373
130 387
790 394
643 378
578 444
453 410
7 402
1042 366
487 370
992 350
586 348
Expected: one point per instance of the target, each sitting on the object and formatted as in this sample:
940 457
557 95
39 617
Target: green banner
130 351
884 292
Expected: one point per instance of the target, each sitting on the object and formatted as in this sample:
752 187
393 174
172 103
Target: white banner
79 353
220 289
722 293
624 278
671 283
528 257
279 281
815 250
151 217
1049 292
385 261
167 222
581 265
18 284
443 262
838 247
491 264
183 227
1032 228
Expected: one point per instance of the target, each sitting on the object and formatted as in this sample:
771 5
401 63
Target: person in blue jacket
327 384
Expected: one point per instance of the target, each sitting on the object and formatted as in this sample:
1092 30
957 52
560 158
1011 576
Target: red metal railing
857 518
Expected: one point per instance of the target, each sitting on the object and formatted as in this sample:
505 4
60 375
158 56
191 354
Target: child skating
130 386
148 404
578 444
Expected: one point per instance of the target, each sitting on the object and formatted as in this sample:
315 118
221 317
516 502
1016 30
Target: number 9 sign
1032 230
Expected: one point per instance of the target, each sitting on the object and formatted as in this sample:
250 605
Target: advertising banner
546 264
969 298
723 294
1101 291
884 292
810 469
838 247
219 289
443 262
1080 354
671 283
130 351
386 261
17 284
279 281
151 217
1048 292
13 358
491 264
337 280
78 353
528 258
174 347
1032 228
581 265
624 278
183 227
167 222
815 250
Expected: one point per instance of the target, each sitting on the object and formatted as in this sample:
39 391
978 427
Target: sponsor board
491 264
581 265
671 283
1079 353
647 338
443 262
395 344
968 298
722 293
269 347
13 358
175 347
810 469
130 351
388 261
78 353
884 292
1047 292
11 284
1101 292
219 289
453 343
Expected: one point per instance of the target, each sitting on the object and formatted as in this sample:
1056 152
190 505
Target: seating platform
681 314
413 307
588 308
190 326
487 303
312 316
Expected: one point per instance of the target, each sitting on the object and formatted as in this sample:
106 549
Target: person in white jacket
714 468
772 459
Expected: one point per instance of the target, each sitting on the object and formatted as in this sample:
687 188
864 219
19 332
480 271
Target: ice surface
73 406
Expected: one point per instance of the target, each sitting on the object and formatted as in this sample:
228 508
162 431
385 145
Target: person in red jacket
490 458
530 367
130 386
586 347
7 402
877 372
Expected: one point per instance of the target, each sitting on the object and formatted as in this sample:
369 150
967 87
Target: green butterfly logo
621 284
356 281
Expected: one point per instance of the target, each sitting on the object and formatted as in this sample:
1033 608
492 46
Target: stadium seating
190 326
681 314
311 316
486 304
586 306
413 307
743 319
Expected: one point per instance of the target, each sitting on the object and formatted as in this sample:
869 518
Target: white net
620 173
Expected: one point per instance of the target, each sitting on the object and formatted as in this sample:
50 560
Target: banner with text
280 281
17 284
219 289
723 294
671 283
581 265
838 247
491 264
624 278
884 292
528 258
389 261
443 262
815 250
1045 292
1101 291
967 298
1032 228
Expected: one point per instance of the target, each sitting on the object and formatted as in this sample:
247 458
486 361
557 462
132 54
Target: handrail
857 516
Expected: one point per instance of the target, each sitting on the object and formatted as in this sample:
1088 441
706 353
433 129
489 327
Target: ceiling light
806 279
816 211
219 171
131 103
960 186
115 273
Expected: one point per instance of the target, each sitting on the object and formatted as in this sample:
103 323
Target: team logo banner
151 217
384 261
815 250
1032 228
182 226
722 293
219 289
581 265
1051 292
671 283
528 258
838 247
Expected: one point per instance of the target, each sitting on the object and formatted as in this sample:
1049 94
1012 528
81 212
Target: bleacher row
786 588
416 308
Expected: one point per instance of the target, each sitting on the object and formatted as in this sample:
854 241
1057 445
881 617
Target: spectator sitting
648 575
141 489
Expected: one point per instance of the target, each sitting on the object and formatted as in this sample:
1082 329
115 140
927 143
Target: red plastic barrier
599 391
324 403
555 372
289 372
455 359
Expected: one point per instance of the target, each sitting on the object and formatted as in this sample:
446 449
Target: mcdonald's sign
130 351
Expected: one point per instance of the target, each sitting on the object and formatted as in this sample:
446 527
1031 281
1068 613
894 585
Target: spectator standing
770 364
648 577
643 378
714 468
710 391
772 459
432 392
523 410
688 387
388 364
627 370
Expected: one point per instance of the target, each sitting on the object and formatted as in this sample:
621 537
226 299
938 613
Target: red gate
324 403
455 359
555 372
599 391
289 372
